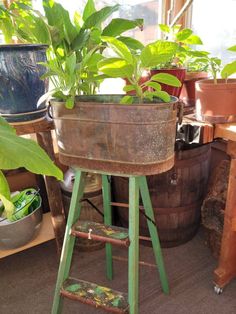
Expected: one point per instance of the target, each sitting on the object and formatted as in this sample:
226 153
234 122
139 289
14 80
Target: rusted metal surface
134 139
97 296
99 232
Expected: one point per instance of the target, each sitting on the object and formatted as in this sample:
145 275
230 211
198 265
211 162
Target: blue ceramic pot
20 83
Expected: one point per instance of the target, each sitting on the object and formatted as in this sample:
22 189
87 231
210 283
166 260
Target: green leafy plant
130 66
184 38
75 47
16 152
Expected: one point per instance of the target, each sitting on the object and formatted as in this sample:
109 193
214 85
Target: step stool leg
153 232
69 241
106 191
133 264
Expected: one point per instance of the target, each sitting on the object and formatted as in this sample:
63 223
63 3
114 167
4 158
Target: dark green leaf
100 16
89 9
118 26
81 39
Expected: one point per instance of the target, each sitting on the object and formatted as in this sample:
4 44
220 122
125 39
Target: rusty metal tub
101 134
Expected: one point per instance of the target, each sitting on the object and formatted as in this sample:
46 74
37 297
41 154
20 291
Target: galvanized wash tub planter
101 134
20 83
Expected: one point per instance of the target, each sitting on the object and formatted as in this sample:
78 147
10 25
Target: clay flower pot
179 73
188 93
216 103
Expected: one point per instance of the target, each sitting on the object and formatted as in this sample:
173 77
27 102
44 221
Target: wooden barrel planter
101 134
20 82
176 196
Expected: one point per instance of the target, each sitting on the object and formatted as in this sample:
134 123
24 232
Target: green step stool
90 293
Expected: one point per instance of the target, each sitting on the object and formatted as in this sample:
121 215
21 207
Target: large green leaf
228 70
167 79
157 53
89 9
16 152
81 39
131 43
164 28
118 26
116 67
5 195
58 17
120 48
100 16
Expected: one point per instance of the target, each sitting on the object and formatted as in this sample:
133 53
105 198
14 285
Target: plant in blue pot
53 34
20 72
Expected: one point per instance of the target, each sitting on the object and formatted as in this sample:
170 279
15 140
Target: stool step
98 296
100 232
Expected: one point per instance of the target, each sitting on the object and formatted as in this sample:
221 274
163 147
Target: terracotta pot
216 103
188 93
179 73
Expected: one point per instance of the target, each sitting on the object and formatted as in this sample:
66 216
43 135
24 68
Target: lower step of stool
97 296
100 232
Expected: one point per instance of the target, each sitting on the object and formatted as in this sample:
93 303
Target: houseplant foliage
75 46
18 152
131 66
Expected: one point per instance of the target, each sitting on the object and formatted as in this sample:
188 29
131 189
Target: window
214 22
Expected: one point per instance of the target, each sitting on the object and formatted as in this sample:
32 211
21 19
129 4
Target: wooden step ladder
90 293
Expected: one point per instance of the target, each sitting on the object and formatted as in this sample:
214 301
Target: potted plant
183 39
20 71
196 69
215 98
21 86
18 152
121 133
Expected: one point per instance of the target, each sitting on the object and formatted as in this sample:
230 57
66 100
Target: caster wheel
218 290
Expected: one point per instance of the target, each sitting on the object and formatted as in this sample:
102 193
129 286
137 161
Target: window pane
214 22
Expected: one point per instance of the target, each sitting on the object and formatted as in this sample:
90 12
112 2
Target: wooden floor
28 279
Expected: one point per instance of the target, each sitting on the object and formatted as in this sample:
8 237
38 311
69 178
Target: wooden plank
46 233
34 127
226 131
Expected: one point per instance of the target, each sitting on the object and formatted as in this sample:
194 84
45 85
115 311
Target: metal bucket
20 232
101 134
20 83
